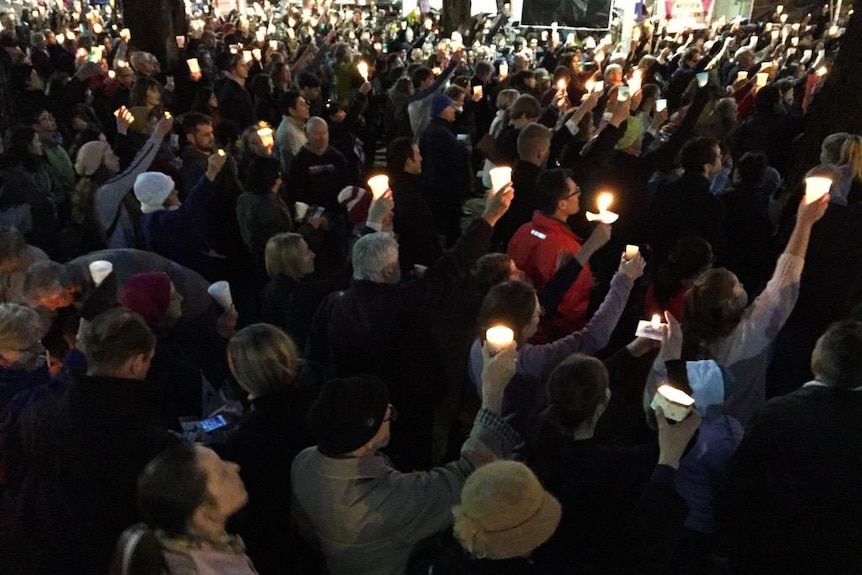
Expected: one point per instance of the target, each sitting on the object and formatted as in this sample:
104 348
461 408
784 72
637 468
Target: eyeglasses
392 414
577 192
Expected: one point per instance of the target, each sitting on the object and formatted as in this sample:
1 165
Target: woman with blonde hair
293 295
280 388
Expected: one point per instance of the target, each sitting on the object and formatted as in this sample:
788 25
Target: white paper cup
632 251
498 338
702 78
816 188
301 209
99 270
675 404
378 185
194 65
220 291
500 176
660 105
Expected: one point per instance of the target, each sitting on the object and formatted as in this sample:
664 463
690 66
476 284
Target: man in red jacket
537 246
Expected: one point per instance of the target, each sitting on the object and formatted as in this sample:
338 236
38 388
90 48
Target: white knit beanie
152 189
90 157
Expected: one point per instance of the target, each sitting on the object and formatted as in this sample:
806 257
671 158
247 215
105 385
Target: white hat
152 189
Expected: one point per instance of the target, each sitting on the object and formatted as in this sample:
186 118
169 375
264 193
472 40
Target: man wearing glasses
540 246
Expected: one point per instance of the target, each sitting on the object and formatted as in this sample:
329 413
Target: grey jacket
367 516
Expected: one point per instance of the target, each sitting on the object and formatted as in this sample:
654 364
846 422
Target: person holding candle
398 342
166 222
718 325
516 305
536 246
384 513
601 487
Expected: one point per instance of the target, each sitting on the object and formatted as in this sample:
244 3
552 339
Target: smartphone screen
213 423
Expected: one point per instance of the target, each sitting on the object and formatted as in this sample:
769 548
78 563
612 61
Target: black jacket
235 103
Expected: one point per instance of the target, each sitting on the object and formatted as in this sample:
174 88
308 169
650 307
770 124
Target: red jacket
535 248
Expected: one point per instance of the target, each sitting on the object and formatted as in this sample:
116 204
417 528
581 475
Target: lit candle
599 57
477 91
362 68
220 152
660 105
655 321
632 251
498 338
181 42
561 84
112 74
247 56
97 28
741 76
761 79
379 185
599 86
779 9
256 53
504 69
589 85
260 35
194 66
783 18
99 270
603 202
500 176
273 44
674 403
702 78
126 34
265 135
61 38
816 187
794 41
833 30
821 71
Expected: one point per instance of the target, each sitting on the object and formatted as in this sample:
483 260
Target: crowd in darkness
246 288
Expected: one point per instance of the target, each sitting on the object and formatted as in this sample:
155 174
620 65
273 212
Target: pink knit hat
148 295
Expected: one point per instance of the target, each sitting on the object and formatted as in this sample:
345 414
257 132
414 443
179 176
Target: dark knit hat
148 295
347 413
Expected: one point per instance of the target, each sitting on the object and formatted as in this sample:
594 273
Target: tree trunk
456 16
154 25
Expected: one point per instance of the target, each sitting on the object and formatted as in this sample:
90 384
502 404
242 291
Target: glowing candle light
500 176
378 185
362 68
816 187
498 338
660 105
632 251
655 321
266 137
674 403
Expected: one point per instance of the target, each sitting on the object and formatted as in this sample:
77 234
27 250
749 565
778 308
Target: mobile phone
213 423
318 213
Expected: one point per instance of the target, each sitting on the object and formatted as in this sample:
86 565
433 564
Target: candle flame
362 68
604 201
655 322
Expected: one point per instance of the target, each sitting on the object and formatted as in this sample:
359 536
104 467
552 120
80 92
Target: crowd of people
227 345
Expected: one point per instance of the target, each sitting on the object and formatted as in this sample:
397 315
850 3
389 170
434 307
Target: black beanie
347 413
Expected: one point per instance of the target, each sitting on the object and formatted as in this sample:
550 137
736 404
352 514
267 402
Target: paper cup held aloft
220 292
816 187
498 338
99 270
379 185
676 404
500 176
301 208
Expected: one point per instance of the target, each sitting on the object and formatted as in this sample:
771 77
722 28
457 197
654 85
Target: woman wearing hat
504 515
